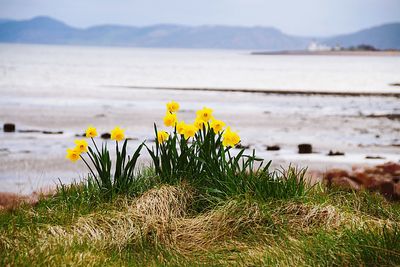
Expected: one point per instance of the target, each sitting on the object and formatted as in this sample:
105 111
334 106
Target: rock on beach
9 127
384 178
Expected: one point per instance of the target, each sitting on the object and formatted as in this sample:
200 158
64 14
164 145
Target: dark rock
80 135
105 135
29 131
131 138
273 148
240 146
9 127
388 116
374 157
305 149
336 153
52 132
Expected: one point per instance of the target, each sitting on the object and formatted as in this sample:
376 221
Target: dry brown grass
164 203
308 217
160 215
243 230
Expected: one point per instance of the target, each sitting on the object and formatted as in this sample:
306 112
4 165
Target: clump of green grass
162 225
217 173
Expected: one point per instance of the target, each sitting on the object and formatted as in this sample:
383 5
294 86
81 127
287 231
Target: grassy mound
276 222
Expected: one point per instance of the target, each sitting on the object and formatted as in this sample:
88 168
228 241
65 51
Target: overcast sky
301 17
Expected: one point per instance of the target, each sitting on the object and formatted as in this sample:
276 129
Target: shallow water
73 66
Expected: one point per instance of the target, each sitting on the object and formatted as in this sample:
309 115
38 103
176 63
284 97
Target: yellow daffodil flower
189 131
81 145
170 119
91 132
72 154
172 106
205 114
162 136
230 138
180 127
117 134
198 123
217 125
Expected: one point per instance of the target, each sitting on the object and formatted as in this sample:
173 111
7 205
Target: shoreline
328 53
259 91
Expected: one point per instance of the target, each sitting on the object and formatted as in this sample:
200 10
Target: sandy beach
44 96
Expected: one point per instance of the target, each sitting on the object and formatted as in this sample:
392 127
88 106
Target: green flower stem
94 176
95 145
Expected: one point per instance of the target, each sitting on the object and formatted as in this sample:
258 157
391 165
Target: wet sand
355 125
269 91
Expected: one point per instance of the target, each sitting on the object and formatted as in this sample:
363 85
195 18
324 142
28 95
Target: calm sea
43 66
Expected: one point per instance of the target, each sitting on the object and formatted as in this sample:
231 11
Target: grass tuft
267 220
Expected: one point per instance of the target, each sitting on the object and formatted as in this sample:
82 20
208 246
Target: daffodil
205 114
117 134
180 127
91 132
230 138
172 106
170 119
189 131
81 145
217 125
199 123
162 136
72 154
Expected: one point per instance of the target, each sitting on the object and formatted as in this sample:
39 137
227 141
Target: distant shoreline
260 91
329 53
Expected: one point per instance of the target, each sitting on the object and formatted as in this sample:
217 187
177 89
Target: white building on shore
314 46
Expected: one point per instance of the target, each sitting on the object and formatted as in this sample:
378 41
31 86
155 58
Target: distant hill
40 30
45 30
382 37
4 20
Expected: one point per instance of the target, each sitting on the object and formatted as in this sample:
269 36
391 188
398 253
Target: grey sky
301 17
